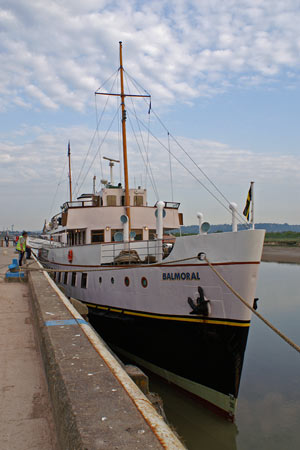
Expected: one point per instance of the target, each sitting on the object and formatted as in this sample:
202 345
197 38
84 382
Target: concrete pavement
94 403
26 421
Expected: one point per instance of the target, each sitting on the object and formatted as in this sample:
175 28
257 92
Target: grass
287 238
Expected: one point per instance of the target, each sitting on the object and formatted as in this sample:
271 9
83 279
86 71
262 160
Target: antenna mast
111 165
70 175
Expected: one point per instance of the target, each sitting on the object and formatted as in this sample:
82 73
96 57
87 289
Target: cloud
37 170
53 59
57 56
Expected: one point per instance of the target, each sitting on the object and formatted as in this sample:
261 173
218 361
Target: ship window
97 236
100 280
96 200
122 200
138 200
73 281
144 282
111 200
138 235
152 235
83 280
76 237
126 281
80 237
180 218
112 280
66 278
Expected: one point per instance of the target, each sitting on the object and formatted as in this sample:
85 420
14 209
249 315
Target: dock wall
96 405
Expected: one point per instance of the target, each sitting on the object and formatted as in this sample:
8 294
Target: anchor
202 305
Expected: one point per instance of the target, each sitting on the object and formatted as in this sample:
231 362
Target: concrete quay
26 420
93 402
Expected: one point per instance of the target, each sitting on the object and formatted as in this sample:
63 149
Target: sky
224 79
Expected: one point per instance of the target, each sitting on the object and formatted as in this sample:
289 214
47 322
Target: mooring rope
269 324
103 269
200 256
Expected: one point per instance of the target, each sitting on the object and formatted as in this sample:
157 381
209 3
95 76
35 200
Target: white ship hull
148 303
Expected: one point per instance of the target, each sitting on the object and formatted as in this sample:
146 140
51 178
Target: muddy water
268 412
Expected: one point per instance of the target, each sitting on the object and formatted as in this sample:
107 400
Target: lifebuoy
70 256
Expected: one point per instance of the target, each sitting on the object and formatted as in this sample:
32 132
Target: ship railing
78 204
51 244
133 252
171 205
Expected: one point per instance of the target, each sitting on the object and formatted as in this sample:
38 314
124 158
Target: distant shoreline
281 254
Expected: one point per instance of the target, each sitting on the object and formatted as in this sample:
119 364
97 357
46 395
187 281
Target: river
268 412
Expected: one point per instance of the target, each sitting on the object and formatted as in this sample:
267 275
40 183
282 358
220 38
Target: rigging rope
99 149
104 269
58 184
242 220
98 137
188 170
269 324
108 79
140 150
137 85
141 91
147 149
170 163
170 263
92 141
199 168
151 177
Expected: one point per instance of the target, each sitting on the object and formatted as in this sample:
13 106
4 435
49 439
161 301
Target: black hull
208 354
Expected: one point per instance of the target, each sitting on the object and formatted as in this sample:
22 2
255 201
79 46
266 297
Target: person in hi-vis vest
21 246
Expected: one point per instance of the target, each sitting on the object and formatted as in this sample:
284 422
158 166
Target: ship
153 297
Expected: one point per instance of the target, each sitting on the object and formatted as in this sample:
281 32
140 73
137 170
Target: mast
127 198
123 95
70 175
252 205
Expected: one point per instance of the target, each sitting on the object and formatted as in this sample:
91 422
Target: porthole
126 281
144 282
112 280
100 280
